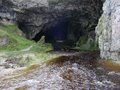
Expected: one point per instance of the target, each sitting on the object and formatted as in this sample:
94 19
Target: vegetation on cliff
15 40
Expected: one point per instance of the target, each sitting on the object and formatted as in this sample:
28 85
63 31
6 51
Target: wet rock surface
75 72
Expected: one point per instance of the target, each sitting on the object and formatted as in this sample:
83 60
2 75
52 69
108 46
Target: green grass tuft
14 35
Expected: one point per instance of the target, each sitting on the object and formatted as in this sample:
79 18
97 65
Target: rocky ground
71 71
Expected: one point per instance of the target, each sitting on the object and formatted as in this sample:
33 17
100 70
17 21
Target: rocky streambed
70 71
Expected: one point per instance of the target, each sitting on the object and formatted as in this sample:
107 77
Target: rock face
33 16
6 12
4 41
108 30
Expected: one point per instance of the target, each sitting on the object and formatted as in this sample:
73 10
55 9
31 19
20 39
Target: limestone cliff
108 30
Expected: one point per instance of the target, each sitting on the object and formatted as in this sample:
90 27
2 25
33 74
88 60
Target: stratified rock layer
108 30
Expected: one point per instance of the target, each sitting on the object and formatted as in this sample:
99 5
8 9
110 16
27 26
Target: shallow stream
79 71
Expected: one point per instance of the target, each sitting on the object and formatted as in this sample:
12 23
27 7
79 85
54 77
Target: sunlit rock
108 30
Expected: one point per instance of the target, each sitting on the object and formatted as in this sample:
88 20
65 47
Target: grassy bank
14 36
21 50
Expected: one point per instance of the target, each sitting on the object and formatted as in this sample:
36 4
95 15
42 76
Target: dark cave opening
64 27
56 33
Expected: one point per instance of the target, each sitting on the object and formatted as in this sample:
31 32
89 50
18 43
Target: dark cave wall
6 12
35 17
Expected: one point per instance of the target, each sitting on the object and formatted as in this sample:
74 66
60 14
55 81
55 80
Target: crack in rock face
36 17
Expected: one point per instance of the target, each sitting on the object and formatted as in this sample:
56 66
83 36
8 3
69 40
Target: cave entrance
72 25
56 33
70 33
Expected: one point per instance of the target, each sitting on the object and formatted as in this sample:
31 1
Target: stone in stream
27 85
